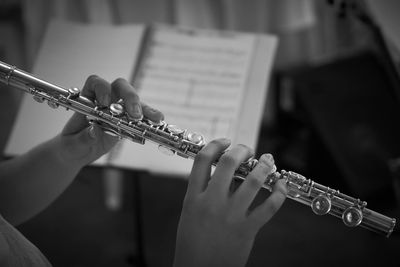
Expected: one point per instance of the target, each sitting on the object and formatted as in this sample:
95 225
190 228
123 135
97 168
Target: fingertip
151 113
267 159
106 99
155 116
135 111
98 88
122 89
225 142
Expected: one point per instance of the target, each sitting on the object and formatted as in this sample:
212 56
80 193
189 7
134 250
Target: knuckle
203 207
228 160
233 219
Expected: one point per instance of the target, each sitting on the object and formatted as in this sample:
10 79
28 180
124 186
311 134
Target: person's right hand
216 227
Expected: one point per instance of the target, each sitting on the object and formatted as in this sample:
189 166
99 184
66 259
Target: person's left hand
83 143
217 225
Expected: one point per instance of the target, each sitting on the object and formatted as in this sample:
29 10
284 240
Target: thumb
87 136
79 146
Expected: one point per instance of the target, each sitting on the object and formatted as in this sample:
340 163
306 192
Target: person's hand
84 143
217 226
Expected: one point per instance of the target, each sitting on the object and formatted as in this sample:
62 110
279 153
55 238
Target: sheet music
197 78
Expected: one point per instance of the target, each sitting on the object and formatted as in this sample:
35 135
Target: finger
88 144
94 88
98 89
121 89
271 205
247 191
76 123
78 145
203 161
226 167
151 113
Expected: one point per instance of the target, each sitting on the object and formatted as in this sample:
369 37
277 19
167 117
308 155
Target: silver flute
114 120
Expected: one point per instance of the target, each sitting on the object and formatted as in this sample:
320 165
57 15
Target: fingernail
92 132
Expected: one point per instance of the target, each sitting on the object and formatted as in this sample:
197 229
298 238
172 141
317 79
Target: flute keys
352 216
175 129
117 109
321 204
38 99
74 92
196 138
52 104
156 123
251 163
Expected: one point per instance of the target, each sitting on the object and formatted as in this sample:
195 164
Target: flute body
174 140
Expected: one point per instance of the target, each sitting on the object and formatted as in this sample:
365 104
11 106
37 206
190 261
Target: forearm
30 182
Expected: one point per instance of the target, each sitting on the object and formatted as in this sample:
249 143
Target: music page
197 78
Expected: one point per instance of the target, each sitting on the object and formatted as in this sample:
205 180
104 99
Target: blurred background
332 113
